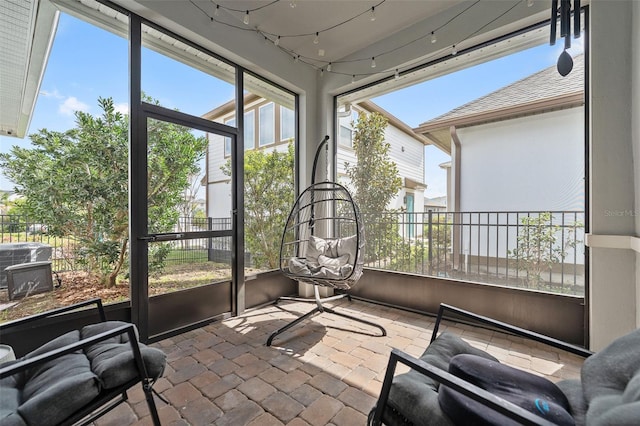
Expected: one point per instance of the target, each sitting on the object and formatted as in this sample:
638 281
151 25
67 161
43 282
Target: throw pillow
526 390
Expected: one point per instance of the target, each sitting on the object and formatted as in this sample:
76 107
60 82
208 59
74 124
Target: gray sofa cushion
112 360
9 403
47 393
51 392
415 395
611 383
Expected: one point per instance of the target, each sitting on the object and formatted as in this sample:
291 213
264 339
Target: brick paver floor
326 371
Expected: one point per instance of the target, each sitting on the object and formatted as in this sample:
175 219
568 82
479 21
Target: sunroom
313 62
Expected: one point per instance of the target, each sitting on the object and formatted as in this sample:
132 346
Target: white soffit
27 29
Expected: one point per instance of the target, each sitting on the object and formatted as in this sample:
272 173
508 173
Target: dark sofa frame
500 405
107 399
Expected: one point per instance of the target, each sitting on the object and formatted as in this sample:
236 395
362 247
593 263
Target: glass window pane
287 123
179 76
47 218
227 140
494 214
268 175
267 124
249 130
345 136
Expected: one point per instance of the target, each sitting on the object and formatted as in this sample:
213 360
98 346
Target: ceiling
343 26
347 35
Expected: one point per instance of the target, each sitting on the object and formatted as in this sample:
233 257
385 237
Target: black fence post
210 240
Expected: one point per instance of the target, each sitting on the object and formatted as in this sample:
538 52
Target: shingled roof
543 91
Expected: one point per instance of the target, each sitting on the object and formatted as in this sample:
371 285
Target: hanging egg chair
323 244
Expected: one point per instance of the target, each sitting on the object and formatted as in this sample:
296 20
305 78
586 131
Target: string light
353 78
396 75
321 72
529 3
321 66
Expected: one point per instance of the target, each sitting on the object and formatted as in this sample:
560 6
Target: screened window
346 136
249 130
227 140
287 123
267 124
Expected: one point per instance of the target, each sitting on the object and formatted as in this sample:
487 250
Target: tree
269 196
76 182
538 249
375 182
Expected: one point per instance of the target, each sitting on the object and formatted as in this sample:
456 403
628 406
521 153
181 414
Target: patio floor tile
327 370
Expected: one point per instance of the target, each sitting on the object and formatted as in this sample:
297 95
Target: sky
78 73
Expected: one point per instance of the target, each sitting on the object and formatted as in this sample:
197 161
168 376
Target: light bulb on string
529 3
246 18
296 58
217 11
353 78
316 40
433 37
293 3
329 67
277 42
321 72
396 75
454 51
373 62
373 13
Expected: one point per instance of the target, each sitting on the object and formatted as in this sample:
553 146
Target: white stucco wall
526 164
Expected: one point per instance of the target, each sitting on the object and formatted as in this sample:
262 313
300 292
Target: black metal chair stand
320 308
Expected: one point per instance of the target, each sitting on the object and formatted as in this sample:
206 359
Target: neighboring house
436 204
520 148
407 151
267 125
271 126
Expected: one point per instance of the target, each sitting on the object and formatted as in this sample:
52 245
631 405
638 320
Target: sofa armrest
500 405
559 344
14 367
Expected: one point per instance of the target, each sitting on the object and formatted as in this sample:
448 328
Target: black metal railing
536 250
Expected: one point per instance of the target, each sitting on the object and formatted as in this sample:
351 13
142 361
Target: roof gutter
541 105
456 153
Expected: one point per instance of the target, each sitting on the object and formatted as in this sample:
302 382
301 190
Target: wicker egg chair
323 244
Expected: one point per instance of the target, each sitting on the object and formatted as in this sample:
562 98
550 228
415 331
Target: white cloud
71 105
54 94
122 108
